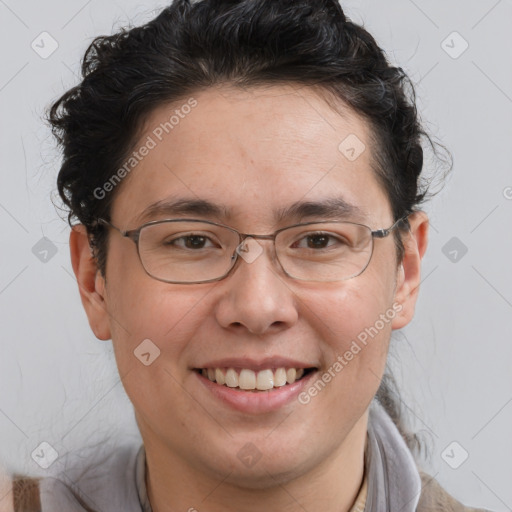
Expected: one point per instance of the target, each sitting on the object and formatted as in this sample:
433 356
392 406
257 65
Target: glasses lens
186 251
325 251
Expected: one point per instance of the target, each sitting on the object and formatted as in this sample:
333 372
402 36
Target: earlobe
409 273
91 283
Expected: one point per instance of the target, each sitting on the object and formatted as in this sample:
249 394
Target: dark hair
191 46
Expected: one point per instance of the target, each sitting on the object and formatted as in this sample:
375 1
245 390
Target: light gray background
60 385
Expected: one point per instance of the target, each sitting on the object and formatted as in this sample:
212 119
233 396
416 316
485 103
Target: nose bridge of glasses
245 236
249 248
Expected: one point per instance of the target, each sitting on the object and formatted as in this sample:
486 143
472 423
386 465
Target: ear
91 283
409 274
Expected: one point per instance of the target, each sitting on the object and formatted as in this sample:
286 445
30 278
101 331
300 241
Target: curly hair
194 45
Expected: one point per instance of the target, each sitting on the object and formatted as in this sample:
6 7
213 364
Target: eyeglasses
186 251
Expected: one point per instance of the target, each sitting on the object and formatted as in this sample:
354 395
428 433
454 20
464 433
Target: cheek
354 321
152 333
149 316
355 328
346 310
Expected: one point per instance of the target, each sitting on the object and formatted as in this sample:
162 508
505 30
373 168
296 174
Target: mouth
245 379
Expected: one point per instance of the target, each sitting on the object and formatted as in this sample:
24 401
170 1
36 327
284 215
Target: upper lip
256 365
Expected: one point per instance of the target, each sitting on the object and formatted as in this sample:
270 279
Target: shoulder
6 499
106 482
19 493
26 496
435 498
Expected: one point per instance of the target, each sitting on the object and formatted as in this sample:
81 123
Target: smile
249 380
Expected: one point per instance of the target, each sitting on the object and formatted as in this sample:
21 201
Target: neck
174 484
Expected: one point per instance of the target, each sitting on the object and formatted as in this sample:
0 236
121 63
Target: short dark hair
191 46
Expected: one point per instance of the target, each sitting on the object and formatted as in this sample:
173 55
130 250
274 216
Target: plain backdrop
59 384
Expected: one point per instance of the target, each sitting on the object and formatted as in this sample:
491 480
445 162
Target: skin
254 152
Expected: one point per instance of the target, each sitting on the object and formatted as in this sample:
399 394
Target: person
244 184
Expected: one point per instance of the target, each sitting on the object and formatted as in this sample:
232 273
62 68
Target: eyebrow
334 208
183 206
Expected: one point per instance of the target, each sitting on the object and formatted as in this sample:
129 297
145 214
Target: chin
251 468
263 476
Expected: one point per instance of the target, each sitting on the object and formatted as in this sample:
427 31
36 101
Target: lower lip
260 401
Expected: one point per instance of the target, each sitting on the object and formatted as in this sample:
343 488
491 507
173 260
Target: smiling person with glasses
239 251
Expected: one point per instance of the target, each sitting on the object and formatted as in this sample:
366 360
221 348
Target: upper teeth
248 379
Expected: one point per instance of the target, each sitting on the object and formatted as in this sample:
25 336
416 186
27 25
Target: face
251 153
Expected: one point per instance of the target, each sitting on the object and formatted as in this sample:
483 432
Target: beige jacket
434 497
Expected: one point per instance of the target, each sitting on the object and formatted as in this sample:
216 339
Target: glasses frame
134 235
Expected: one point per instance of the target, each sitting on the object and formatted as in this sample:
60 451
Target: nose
255 295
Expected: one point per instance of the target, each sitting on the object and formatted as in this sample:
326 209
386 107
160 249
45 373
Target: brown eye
189 242
318 241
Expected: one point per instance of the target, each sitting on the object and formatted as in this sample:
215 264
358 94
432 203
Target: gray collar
394 483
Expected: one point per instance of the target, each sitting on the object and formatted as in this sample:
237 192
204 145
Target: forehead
257 154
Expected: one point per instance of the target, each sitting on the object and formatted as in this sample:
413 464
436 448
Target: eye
320 240
191 241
